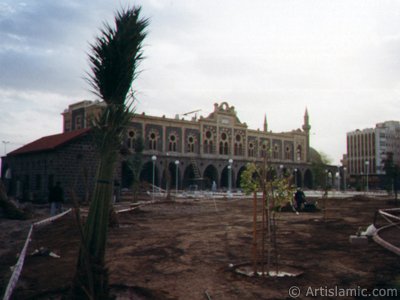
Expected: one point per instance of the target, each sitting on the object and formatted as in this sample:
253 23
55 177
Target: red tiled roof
49 142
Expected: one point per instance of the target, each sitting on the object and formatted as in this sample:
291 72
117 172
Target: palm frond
115 56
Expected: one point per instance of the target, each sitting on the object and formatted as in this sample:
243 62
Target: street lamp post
367 171
230 161
295 177
344 179
338 178
176 177
281 168
326 179
154 158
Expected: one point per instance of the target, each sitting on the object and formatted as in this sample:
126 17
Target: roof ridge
49 142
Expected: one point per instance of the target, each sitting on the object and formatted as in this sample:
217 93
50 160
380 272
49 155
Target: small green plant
276 192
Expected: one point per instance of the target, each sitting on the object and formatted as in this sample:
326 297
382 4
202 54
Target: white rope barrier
393 220
51 219
126 209
18 267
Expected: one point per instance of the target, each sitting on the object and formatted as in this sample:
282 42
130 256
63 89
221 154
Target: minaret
265 123
307 128
306 125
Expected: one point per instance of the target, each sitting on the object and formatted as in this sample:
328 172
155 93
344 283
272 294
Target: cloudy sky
340 59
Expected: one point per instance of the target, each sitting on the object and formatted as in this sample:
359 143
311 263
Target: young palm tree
114 60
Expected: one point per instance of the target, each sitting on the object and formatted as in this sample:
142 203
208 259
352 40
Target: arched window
276 151
251 150
78 122
221 147
190 144
238 149
223 144
152 141
299 154
208 142
264 148
288 153
131 139
172 143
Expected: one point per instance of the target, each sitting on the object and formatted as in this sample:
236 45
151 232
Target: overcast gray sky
340 59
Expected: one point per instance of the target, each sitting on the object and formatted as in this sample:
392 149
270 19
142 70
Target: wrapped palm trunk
114 60
92 277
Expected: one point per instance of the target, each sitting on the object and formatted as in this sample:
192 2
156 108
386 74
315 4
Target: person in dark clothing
300 198
56 198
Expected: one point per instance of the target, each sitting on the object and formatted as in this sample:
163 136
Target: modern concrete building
367 150
191 152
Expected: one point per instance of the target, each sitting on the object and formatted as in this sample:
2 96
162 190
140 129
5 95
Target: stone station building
191 153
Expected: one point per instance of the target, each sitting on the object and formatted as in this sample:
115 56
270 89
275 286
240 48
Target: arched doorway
126 175
189 176
170 177
210 174
147 174
308 179
225 178
175 175
298 178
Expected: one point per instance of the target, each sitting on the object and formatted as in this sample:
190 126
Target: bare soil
183 250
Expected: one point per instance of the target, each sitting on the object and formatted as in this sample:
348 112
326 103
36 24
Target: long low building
185 153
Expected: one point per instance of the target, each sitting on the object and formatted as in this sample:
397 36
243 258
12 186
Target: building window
264 150
251 150
288 153
238 150
67 126
223 144
299 153
172 143
208 146
208 142
276 152
78 122
131 139
152 141
190 144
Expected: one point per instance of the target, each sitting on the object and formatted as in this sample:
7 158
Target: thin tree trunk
263 235
255 233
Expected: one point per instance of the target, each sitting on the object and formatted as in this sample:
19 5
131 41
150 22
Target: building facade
180 152
367 150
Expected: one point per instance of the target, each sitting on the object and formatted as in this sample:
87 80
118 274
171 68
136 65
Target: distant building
367 150
81 114
194 152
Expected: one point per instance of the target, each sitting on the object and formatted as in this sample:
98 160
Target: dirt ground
183 250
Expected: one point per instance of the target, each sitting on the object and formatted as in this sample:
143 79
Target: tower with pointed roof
265 123
307 128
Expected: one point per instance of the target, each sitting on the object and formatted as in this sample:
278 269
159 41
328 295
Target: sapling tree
276 193
281 194
250 184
